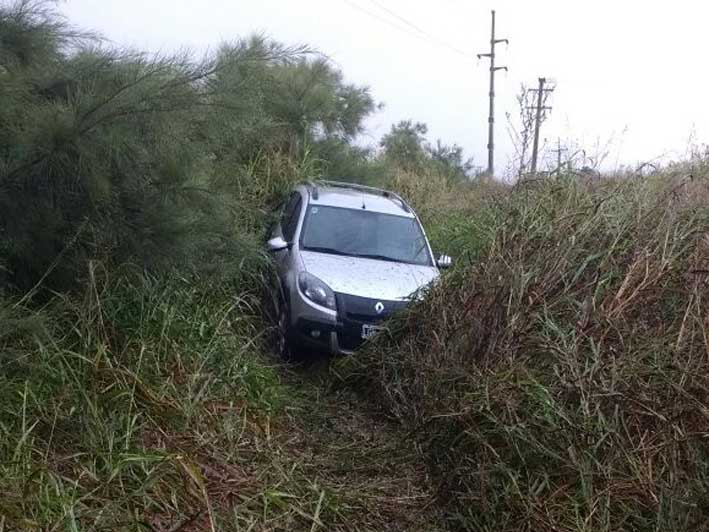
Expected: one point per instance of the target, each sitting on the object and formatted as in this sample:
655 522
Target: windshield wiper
321 249
376 257
333 251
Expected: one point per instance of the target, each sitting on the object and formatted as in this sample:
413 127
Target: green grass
559 382
112 403
153 403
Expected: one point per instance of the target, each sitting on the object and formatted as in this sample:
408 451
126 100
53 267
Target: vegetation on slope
150 404
561 381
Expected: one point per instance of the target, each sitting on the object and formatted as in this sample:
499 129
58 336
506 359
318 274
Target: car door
286 259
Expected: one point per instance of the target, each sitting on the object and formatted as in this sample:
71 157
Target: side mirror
277 244
444 262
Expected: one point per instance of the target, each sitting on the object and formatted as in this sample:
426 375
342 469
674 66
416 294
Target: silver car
347 256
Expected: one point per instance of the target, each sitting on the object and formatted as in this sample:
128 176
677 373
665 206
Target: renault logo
379 307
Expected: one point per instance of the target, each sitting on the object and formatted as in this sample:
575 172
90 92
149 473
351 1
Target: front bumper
334 338
344 334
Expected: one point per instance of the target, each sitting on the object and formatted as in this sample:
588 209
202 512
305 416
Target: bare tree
521 128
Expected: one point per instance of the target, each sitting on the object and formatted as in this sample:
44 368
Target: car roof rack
362 188
313 189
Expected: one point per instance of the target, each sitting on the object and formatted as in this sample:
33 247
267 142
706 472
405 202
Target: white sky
630 74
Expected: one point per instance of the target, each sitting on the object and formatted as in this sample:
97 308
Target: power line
395 15
381 19
420 34
422 31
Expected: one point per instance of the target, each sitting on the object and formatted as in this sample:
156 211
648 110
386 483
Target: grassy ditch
561 381
117 405
152 403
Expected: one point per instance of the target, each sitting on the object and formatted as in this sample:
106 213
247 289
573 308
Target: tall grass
114 405
151 403
561 382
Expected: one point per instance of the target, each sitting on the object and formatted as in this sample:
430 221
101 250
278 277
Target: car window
363 233
291 222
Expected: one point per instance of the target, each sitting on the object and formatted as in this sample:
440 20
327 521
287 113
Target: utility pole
539 108
559 150
491 116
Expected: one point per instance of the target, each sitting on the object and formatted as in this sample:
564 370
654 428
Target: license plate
370 330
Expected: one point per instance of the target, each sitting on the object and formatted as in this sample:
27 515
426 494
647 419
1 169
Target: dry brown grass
561 382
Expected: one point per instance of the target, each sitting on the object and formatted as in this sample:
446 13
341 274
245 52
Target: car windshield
363 233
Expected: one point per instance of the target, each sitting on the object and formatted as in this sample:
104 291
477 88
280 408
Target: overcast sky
631 76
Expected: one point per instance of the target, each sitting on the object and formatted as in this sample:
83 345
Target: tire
285 344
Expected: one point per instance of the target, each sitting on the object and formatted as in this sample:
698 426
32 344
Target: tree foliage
118 156
406 147
404 144
289 102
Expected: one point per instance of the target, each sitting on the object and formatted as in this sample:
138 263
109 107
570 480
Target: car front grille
354 311
364 309
365 318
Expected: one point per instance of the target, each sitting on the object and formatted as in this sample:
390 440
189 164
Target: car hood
377 279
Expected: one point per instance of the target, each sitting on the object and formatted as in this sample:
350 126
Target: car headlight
316 290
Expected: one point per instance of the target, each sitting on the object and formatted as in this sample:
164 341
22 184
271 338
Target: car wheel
284 341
